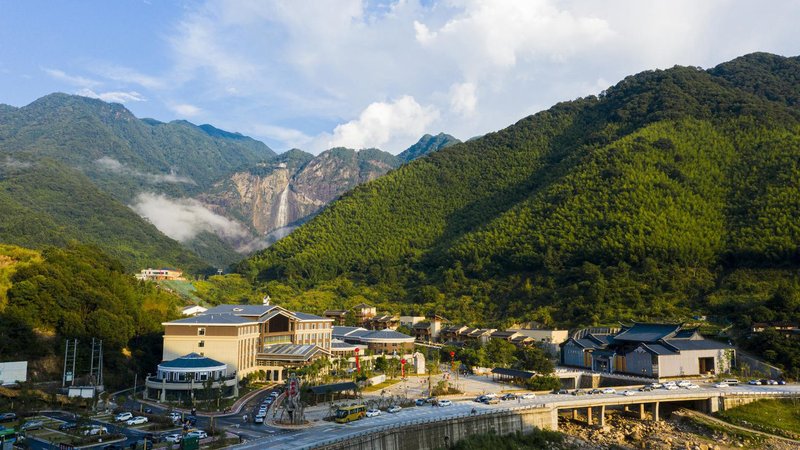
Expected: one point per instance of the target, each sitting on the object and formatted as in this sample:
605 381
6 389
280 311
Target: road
323 431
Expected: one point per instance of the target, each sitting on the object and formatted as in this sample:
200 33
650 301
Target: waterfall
283 209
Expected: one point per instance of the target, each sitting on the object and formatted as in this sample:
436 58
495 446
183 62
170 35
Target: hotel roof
212 319
241 310
647 332
191 361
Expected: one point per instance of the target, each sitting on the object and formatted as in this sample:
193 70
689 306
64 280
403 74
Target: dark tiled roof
335 312
658 349
685 334
503 334
290 351
305 316
345 331
513 373
385 335
211 319
647 332
700 344
191 361
422 325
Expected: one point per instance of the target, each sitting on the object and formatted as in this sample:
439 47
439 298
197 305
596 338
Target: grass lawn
384 385
773 416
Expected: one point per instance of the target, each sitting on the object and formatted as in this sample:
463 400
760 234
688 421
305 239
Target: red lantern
402 368
452 354
358 364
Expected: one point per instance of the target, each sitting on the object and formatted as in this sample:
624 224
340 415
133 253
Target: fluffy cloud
112 165
76 80
463 99
383 123
183 219
113 96
185 109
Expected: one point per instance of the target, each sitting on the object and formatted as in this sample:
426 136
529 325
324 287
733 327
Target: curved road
324 432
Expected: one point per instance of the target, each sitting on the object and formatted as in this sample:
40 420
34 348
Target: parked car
772 382
656 385
731 381
671 387
259 419
94 430
148 410
562 392
609 391
479 399
754 382
578 392
173 438
445 403
647 388
32 425
393 409
138 420
123 416
421 401
492 401
8 417
628 392
508 396
67 426
782 382
721 384
691 386
528 395
684 383
373 412
200 434
595 391
174 415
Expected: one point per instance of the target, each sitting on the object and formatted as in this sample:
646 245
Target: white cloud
185 109
127 75
72 79
381 124
112 165
463 99
183 219
113 96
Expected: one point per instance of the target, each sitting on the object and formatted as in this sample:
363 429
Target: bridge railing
407 423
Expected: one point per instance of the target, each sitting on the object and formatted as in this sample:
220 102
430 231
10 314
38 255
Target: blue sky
316 73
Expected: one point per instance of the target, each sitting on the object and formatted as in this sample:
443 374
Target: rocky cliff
276 196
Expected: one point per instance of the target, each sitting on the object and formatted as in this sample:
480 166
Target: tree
535 359
500 353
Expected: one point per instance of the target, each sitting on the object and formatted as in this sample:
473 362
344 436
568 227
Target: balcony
154 382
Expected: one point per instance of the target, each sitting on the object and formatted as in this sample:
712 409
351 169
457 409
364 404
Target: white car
393 409
445 403
259 419
123 416
174 416
174 438
373 412
628 393
94 430
528 396
691 386
138 420
721 384
609 391
684 383
772 382
200 434
754 382
656 385
671 387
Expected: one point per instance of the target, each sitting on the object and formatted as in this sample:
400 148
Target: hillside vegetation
45 203
79 292
670 194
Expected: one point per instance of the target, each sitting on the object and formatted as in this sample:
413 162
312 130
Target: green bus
347 414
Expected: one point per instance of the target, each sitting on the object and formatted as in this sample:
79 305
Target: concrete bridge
427 428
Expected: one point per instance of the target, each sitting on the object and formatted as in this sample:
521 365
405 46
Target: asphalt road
323 431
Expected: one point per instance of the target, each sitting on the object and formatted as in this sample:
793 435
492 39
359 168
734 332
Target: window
201 344
201 331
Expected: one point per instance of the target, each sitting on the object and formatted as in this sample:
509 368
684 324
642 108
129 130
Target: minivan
731 381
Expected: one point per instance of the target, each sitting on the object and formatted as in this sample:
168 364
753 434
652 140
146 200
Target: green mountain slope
640 203
427 144
121 153
45 203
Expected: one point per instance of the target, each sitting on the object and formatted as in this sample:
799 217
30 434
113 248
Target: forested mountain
45 203
427 144
673 193
121 153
